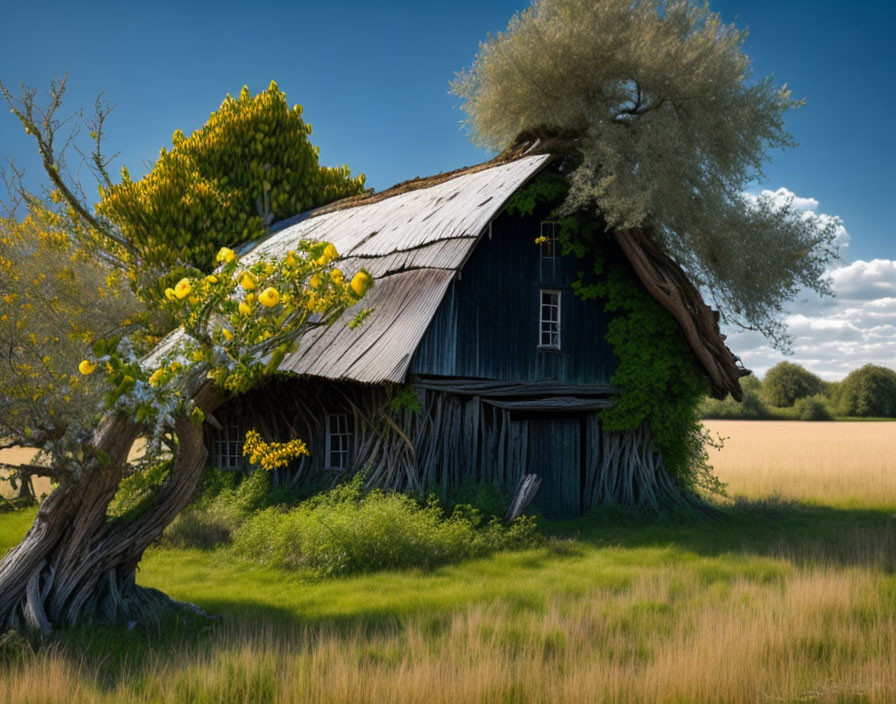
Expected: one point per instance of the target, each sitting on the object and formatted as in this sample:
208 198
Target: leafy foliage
660 380
662 125
249 165
347 530
55 299
752 407
786 383
220 511
869 391
813 408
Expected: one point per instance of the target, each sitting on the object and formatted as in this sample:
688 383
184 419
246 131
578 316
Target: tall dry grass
827 463
820 636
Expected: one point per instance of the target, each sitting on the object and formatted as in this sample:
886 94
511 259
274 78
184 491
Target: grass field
778 600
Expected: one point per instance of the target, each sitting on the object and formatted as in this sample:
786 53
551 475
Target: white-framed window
339 440
549 319
549 246
227 448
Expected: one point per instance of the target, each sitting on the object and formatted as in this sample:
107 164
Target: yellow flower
541 240
269 297
86 367
183 288
330 252
212 279
337 276
156 375
314 281
247 281
227 334
244 308
170 295
225 255
361 282
291 259
193 300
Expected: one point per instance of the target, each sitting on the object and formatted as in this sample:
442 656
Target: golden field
774 601
819 462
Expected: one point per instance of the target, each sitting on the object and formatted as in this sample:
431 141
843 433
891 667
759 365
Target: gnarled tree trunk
75 565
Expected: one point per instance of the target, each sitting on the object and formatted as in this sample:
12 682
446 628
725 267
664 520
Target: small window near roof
549 320
227 448
339 440
548 240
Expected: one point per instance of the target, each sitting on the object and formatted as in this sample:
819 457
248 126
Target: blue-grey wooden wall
487 325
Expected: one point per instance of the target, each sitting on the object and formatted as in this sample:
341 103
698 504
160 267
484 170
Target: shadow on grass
804 534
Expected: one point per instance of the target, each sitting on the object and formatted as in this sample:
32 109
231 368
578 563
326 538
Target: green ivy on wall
660 381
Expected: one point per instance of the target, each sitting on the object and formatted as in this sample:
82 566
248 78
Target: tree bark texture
672 289
75 564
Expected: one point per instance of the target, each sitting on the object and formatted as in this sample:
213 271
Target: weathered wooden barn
477 363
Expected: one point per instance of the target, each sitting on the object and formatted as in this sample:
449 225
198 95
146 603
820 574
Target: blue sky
373 78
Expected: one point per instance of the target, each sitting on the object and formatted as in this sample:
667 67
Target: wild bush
751 408
869 391
212 520
813 408
786 383
483 496
347 530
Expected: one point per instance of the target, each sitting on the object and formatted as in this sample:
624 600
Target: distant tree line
793 392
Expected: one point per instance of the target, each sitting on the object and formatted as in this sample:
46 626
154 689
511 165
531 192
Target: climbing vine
660 380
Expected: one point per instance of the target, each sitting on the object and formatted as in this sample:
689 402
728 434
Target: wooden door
554 453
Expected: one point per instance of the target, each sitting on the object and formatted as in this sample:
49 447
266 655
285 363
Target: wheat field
826 463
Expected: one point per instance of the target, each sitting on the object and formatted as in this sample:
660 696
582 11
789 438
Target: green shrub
483 496
137 491
786 383
751 408
813 408
869 391
214 517
347 530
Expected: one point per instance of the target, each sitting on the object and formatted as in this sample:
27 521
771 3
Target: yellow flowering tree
166 237
250 164
54 299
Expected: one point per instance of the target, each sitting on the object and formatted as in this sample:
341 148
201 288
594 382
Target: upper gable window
548 239
549 320
339 440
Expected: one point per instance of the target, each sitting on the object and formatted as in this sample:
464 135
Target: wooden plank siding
487 326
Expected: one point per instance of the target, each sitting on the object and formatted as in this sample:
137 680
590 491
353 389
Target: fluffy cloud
832 336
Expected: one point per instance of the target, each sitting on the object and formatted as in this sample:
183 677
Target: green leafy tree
661 125
869 391
786 383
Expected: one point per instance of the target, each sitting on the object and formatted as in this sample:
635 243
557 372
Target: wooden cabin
477 363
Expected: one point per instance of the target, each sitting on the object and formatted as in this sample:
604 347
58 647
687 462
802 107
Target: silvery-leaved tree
86 290
663 126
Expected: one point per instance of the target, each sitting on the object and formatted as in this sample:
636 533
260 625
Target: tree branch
43 126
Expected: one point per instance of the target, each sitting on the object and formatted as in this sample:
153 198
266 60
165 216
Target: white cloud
832 336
